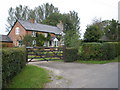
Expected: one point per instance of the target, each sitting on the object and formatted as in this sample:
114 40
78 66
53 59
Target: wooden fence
45 53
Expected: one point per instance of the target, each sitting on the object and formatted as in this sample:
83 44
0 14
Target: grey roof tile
39 27
5 38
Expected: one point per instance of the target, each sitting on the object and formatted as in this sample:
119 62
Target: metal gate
44 53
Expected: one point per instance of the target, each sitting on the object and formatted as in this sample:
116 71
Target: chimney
31 20
60 25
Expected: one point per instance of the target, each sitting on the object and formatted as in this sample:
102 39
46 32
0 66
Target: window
19 43
33 34
17 31
45 34
33 42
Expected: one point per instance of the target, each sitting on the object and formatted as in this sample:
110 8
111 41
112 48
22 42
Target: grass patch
117 59
30 77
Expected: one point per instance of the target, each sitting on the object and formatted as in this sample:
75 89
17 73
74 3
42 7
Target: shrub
70 54
100 51
13 60
91 51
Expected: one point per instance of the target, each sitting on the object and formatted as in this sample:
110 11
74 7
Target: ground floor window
34 42
19 43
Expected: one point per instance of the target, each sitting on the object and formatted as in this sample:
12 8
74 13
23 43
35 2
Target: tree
40 39
92 34
71 39
112 30
39 13
53 19
19 12
27 40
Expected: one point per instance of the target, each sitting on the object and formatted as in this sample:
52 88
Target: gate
44 53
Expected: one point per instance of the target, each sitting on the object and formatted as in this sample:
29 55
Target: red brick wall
13 35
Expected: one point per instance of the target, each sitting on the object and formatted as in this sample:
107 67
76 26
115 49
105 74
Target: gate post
26 55
64 51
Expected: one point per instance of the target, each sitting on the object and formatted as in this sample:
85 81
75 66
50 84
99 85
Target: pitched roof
39 27
5 38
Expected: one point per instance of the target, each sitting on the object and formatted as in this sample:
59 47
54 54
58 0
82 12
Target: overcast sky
87 9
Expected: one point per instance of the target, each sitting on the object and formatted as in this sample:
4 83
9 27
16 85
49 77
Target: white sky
87 9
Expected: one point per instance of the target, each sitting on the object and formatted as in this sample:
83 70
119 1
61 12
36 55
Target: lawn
117 59
30 77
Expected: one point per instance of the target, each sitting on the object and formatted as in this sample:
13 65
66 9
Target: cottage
21 28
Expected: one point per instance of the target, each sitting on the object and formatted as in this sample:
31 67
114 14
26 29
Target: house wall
13 35
6 44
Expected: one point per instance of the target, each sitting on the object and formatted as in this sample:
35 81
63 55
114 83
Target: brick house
21 28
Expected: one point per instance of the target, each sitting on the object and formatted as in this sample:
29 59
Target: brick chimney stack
31 20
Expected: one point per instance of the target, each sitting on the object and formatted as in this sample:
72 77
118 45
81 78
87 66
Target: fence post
64 52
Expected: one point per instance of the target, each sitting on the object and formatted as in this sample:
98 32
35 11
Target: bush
100 51
13 60
90 51
70 54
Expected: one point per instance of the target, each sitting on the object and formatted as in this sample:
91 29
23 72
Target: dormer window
33 34
17 30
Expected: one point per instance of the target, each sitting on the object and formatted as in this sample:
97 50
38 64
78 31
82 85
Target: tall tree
112 30
20 12
93 33
39 13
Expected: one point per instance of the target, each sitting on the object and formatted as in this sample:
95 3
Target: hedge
100 51
70 54
13 60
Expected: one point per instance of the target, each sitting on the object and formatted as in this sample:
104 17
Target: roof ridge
36 23
39 27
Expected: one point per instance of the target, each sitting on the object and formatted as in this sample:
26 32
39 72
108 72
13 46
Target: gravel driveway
76 75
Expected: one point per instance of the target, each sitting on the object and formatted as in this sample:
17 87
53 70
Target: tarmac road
76 75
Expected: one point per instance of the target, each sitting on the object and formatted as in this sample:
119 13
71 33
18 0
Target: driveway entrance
76 75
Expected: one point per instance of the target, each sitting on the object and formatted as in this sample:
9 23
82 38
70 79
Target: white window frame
45 35
17 30
33 34
34 42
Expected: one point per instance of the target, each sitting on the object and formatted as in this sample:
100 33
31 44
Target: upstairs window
45 34
33 34
17 30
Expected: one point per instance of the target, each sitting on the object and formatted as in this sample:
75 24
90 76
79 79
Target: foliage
27 40
100 51
92 34
117 59
70 54
112 30
39 13
53 19
71 39
30 77
13 60
40 39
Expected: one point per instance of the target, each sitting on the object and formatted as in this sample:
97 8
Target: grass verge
117 59
30 77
